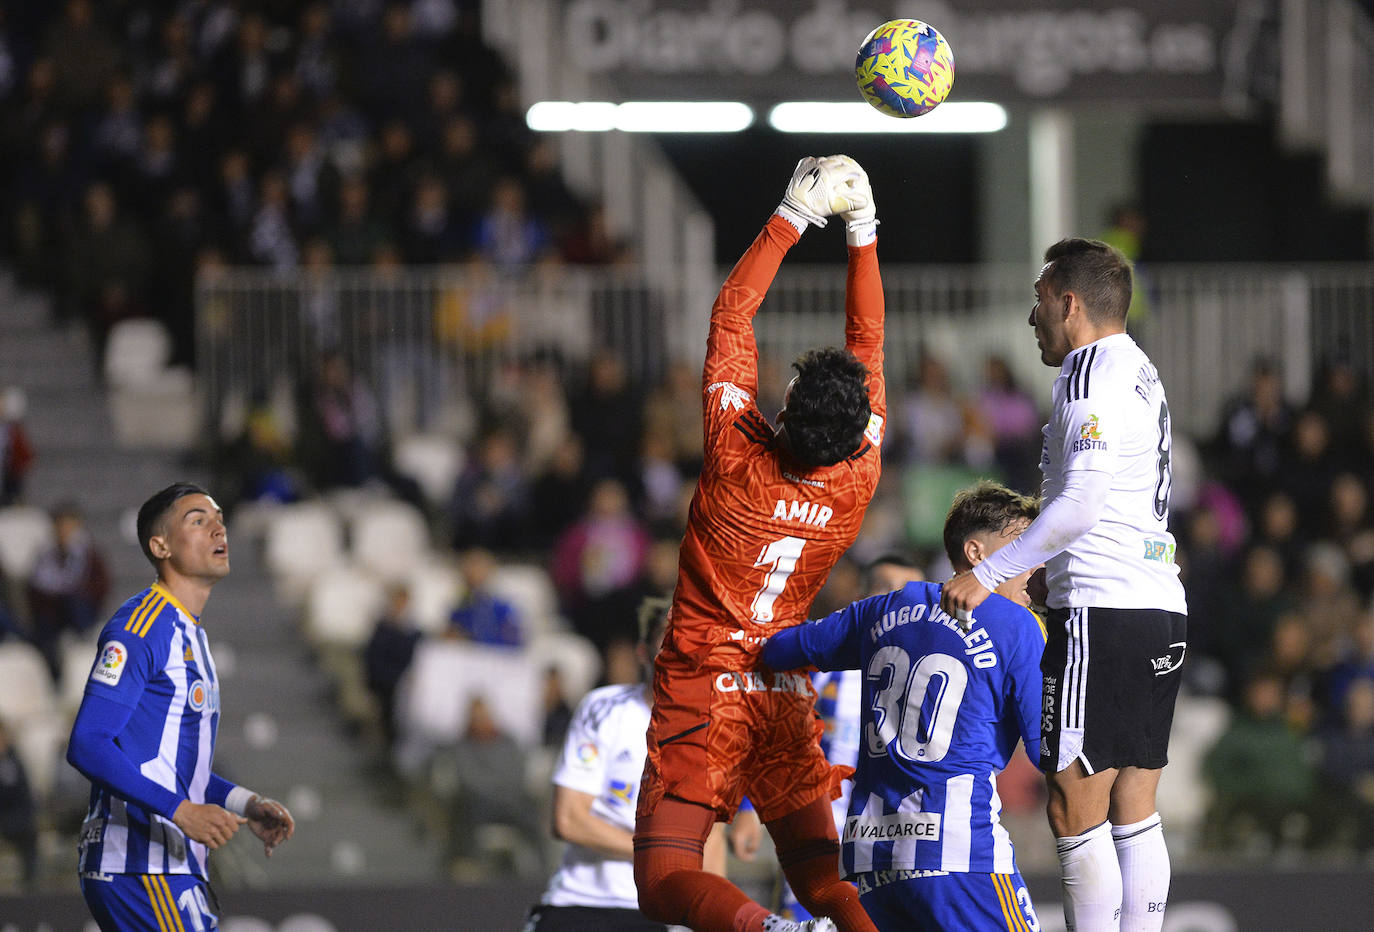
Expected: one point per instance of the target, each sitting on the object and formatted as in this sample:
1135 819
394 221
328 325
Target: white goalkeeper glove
860 219
820 188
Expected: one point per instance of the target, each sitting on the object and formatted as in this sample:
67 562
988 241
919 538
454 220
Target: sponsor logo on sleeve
109 667
1089 436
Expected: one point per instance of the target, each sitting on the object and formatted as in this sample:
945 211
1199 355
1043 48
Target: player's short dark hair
652 615
827 410
891 558
1098 273
986 507
151 512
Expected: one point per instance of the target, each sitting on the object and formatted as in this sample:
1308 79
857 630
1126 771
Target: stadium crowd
146 140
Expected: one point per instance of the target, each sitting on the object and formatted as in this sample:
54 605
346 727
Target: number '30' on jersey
941 714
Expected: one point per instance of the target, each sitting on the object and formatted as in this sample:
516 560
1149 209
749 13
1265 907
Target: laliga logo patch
586 752
109 667
198 697
874 431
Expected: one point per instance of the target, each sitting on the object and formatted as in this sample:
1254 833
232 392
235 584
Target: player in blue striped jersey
942 710
145 736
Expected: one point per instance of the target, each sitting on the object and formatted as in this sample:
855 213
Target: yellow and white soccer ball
905 68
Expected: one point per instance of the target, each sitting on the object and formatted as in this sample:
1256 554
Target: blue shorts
149 902
957 902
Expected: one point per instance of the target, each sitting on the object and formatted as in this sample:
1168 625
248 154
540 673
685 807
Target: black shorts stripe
683 734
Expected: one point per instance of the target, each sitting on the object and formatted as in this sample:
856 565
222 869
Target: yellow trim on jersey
141 621
167 594
1044 632
161 880
154 897
1011 906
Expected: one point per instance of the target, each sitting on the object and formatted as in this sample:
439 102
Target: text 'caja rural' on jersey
154 659
764 532
1110 415
941 712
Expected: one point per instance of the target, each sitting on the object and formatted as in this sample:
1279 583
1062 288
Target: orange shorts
717 736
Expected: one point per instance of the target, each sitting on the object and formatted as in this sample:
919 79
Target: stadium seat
1184 792
433 461
25 684
342 607
302 541
159 411
531 591
389 538
25 532
576 658
136 352
435 588
39 741
78 653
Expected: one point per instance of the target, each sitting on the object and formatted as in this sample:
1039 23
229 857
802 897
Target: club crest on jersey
731 395
109 667
813 513
1089 436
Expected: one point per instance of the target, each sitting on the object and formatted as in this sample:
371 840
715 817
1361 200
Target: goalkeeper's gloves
860 219
819 188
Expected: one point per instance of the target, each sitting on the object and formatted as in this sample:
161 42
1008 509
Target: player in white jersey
596 787
145 737
837 703
1117 614
940 716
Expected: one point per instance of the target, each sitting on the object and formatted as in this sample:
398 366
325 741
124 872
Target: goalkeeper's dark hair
827 409
652 615
986 507
1098 273
151 512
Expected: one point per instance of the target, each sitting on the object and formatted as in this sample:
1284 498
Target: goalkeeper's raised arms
823 187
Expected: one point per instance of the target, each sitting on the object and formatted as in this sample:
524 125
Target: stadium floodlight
639 116
800 116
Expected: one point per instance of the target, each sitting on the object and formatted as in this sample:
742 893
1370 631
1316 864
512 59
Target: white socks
1144 874
1091 880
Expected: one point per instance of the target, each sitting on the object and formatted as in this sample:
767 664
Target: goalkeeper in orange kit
775 507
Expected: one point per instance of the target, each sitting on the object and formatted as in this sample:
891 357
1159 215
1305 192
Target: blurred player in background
1117 613
837 704
942 709
145 736
595 783
774 508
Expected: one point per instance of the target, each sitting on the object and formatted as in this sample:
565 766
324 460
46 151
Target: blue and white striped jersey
154 659
941 713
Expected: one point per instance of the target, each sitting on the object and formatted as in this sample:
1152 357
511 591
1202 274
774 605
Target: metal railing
431 341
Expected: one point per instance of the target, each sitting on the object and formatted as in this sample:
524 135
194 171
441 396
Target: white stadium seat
136 352
301 542
25 532
343 606
389 538
531 591
433 461
25 684
435 588
577 659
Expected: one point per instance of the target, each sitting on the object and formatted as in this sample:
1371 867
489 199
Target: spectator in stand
235 199
1347 767
490 767
85 56
271 235
316 55
507 234
1328 602
16 452
108 257
1254 431
468 170
664 408
1356 662
118 130
1308 468
18 813
180 234
1350 527
392 173
357 232
388 654
1277 527
340 429
1340 397
1010 414
608 416
481 615
67 587
393 68
429 231
257 464
932 417
491 499
1238 636
597 562
310 177
549 197
1259 770
559 492
557 712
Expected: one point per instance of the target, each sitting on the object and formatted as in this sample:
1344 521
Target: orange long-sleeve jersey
764 531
